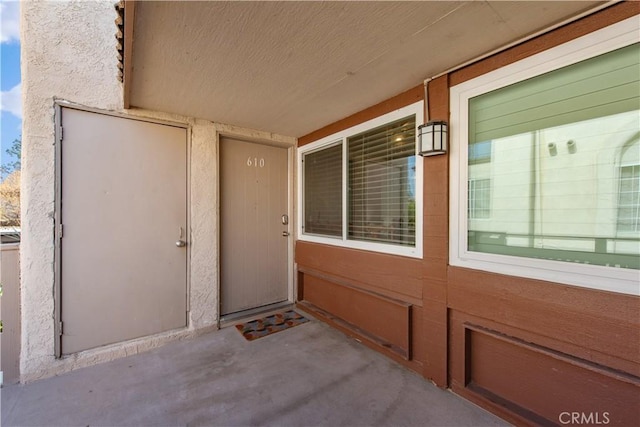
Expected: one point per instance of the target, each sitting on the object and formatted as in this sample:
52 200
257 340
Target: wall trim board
359 287
436 245
554 354
507 410
390 275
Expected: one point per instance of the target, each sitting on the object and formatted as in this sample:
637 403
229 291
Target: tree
10 187
10 200
14 151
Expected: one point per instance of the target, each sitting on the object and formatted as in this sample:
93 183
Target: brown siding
553 382
394 276
574 342
564 34
389 328
373 296
436 244
402 100
595 325
524 349
530 350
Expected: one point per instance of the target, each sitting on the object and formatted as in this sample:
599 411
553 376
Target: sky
10 101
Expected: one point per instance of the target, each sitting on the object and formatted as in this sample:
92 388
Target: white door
122 208
253 225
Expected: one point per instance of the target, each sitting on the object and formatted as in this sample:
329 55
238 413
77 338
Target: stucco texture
69 55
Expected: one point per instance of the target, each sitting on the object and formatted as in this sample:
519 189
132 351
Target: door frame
291 294
57 264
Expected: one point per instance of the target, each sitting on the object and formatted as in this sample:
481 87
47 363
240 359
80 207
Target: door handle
180 243
285 234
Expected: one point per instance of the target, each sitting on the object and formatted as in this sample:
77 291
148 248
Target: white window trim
341 137
625 281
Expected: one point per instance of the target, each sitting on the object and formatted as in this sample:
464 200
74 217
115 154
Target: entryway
254 225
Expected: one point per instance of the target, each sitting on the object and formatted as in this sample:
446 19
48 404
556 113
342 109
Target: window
361 188
544 179
323 179
629 189
381 177
479 198
629 202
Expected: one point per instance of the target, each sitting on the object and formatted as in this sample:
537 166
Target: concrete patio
309 375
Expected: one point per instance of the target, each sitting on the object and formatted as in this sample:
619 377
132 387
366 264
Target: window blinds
323 191
601 86
380 192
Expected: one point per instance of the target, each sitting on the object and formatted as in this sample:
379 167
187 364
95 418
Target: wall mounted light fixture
432 138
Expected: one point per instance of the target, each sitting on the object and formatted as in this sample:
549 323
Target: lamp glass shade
432 138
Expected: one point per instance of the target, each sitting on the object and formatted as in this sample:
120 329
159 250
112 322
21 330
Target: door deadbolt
285 219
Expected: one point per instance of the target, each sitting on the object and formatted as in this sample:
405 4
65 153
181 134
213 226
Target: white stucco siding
69 47
204 224
69 54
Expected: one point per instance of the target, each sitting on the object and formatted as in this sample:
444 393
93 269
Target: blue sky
10 101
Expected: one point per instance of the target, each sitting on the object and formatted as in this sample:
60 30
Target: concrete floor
309 375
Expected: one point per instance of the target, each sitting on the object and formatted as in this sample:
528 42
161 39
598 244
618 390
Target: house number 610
255 162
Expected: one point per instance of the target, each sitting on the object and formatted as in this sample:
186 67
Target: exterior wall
381 296
69 54
525 349
531 350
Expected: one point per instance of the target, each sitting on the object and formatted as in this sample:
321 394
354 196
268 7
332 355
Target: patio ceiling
293 67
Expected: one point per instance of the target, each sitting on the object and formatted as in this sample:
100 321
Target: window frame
636 230
612 279
474 210
341 137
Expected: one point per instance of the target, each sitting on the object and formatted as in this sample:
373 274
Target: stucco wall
69 53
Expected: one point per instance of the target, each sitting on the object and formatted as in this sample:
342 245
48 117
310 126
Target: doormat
271 324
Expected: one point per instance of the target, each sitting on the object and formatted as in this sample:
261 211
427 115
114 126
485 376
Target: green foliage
10 200
15 151
10 186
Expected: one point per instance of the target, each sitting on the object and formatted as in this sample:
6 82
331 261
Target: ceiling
293 67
